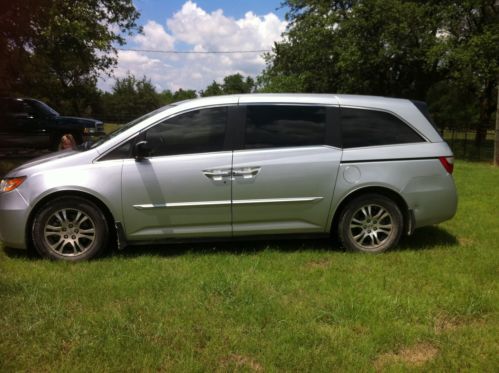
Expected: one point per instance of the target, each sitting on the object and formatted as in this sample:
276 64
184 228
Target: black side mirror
142 150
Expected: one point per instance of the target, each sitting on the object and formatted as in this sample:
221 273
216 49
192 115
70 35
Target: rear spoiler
423 108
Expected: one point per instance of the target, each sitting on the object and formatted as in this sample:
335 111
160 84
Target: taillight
448 163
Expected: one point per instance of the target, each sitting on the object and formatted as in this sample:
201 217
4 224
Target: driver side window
198 131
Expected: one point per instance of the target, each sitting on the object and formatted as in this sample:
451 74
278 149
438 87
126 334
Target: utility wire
193 52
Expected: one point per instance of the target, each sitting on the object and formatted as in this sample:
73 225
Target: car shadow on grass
247 247
427 238
423 239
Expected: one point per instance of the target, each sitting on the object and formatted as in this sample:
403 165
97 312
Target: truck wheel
370 223
70 228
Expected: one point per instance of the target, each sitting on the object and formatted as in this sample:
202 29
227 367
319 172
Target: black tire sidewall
377 199
88 207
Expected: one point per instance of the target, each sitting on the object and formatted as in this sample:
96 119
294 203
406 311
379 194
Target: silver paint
241 192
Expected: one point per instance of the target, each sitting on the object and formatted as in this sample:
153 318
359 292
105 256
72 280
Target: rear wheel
370 223
70 228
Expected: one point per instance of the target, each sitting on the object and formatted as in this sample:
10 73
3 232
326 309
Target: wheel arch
387 192
68 193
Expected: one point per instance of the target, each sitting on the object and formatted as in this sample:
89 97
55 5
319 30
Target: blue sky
159 10
199 25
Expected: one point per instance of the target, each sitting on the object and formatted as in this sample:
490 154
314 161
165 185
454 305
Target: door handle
247 172
216 175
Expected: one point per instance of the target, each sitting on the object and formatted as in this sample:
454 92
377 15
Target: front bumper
13 218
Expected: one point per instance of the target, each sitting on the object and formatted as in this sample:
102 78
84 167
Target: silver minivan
368 169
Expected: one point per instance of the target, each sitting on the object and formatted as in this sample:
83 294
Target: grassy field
267 306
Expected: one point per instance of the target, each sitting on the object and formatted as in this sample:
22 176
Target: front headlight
11 183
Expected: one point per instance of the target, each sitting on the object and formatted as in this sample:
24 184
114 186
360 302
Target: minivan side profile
368 169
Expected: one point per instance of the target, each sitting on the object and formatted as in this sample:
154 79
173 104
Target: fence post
496 137
465 142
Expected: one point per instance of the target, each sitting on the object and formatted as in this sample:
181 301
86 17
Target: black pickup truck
29 123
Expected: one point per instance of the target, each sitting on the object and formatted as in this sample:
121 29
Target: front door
183 189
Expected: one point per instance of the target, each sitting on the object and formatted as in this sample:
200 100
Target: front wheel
370 223
70 228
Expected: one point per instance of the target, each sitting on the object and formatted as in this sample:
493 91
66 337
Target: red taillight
448 163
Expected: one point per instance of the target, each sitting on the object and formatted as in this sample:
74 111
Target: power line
193 52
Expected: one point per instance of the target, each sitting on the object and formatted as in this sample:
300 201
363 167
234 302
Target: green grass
267 306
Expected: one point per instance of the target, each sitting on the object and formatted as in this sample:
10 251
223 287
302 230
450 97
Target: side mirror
142 150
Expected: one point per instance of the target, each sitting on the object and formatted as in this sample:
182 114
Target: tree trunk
486 110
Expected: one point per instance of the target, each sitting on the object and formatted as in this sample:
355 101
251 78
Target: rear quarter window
362 127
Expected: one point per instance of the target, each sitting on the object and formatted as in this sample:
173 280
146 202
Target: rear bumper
432 199
13 218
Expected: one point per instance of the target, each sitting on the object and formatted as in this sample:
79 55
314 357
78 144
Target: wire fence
464 146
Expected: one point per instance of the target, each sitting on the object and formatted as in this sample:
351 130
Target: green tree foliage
55 49
184 94
232 84
214 89
167 96
130 98
469 52
367 47
414 49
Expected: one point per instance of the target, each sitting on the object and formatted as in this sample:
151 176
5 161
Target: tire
71 229
370 223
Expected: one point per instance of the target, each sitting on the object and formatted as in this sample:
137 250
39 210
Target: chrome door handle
247 172
216 175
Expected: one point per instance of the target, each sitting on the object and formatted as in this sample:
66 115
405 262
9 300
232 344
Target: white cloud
139 65
154 37
192 28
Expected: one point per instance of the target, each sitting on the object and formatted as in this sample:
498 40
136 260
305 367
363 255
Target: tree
184 94
130 98
399 48
56 49
166 97
367 47
232 84
236 83
214 89
469 51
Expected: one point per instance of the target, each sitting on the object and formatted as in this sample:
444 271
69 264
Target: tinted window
122 152
16 107
270 126
370 128
197 131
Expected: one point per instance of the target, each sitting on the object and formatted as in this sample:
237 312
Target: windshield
124 127
42 107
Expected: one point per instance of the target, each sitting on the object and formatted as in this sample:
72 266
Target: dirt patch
240 361
318 264
465 241
445 323
416 355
